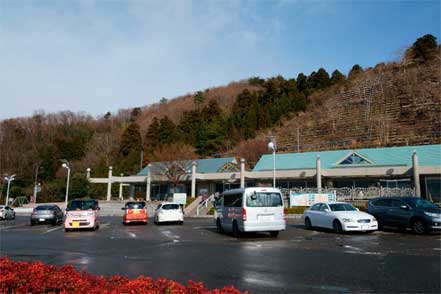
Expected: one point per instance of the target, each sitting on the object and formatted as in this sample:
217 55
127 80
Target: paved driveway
297 261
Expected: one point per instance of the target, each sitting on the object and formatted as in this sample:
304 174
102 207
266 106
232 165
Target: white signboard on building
180 198
308 199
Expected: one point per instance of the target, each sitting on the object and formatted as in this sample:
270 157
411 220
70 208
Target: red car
135 212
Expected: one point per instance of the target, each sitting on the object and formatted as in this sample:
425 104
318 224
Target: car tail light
366 206
244 214
284 215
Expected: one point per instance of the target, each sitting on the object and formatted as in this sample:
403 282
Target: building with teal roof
389 167
414 169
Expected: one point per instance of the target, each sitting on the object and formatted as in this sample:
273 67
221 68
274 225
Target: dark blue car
414 212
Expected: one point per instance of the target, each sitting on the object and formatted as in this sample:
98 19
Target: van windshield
264 199
83 205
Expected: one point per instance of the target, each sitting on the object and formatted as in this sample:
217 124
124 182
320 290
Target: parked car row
84 214
403 212
256 210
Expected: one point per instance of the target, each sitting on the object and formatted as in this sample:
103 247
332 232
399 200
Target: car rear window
264 199
170 206
135 205
45 208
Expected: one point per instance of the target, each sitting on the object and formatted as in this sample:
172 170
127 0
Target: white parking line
52 230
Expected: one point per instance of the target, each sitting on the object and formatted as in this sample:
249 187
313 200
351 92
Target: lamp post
66 166
9 179
272 146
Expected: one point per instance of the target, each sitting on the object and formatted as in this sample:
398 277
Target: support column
416 174
109 184
318 174
193 179
242 173
120 196
149 185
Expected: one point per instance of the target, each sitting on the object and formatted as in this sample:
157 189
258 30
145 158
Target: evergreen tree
302 83
131 139
337 77
167 131
424 47
356 69
199 98
188 126
152 135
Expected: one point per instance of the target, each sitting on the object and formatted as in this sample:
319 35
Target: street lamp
66 166
272 146
9 180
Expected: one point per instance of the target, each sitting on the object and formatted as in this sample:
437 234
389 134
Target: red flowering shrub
35 277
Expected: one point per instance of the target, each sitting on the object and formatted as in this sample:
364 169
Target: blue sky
99 56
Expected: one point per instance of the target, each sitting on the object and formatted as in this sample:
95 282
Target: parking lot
298 261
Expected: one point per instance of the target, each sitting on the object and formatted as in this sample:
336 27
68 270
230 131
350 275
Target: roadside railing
204 204
355 193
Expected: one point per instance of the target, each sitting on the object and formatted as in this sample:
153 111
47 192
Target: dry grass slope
390 105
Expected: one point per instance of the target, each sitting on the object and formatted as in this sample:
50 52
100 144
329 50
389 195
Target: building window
433 189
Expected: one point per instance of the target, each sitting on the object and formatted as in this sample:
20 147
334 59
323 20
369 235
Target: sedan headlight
347 220
432 214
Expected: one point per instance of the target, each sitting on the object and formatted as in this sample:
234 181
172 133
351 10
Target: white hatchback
339 216
169 212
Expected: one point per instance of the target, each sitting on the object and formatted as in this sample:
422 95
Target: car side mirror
357 209
123 208
327 210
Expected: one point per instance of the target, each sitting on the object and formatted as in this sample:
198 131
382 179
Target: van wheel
66 230
308 224
418 226
236 232
337 227
219 226
274 234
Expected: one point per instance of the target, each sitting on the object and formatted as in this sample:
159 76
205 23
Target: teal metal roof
210 165
428 155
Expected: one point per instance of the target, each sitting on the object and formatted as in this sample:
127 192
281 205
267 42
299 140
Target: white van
250 210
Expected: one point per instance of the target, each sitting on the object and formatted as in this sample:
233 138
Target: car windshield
342 207
264 199
83 205
170 206
420 203
135 205
44 207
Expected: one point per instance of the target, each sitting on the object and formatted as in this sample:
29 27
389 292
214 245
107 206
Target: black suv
414 212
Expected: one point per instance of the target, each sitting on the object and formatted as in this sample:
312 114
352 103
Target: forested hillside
390 104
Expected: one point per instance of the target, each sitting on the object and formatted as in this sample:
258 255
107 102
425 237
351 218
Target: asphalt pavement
298 261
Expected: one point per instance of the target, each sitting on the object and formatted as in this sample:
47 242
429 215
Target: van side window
233 200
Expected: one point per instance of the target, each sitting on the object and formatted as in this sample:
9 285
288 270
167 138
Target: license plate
41 219
265 218
364 227
75 224
136 212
